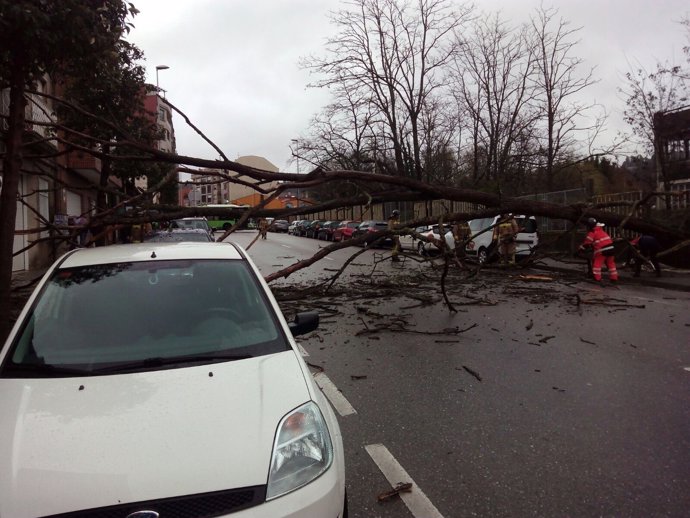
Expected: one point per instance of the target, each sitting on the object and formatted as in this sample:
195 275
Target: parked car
178 234
120 398
431 232
292 229
303 227
279 225
344 230
191 223
313 229
370 229
326 230
482 247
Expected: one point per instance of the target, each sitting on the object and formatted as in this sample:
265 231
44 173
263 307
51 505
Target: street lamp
295 142
160 67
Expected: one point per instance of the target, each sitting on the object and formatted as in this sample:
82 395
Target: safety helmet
395 213
591 223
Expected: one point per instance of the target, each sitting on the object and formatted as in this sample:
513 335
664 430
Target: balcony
38 117
85 165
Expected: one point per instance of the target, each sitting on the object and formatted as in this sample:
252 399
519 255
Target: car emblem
144 514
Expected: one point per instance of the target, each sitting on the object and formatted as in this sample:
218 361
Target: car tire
482 256
420 248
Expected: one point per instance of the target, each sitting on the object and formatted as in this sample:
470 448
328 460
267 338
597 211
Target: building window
161 114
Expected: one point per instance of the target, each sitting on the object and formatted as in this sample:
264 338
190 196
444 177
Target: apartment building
56 186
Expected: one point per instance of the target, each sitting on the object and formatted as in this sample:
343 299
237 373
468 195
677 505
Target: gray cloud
234 64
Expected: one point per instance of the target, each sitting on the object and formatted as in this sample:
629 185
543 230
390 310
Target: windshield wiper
43 370
171 360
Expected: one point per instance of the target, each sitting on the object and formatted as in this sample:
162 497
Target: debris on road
401 487
317 367
535 278
606 301
472 372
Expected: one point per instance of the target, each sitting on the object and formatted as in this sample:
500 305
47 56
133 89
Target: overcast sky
234 63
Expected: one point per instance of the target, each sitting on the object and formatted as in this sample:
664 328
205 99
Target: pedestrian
461 235
393 221
647 247
137 233
602 250
263 228
505 234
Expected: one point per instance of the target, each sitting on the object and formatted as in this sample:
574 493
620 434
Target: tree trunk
11 169
102 197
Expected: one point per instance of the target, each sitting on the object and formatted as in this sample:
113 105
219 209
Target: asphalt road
554 398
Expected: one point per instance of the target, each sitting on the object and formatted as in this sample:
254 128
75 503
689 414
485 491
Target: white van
483 246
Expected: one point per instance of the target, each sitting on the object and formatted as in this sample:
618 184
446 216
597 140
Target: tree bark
11 174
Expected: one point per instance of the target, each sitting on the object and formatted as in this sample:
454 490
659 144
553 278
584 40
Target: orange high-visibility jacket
598 239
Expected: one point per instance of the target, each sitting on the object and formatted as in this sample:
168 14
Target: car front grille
204 505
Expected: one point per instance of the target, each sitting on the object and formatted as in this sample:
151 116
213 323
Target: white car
431 232
482 246
292 228
161 379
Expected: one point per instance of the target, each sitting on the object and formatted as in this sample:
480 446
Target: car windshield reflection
90 320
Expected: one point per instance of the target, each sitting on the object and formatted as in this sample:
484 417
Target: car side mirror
304 322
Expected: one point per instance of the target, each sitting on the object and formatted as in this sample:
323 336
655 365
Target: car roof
137 252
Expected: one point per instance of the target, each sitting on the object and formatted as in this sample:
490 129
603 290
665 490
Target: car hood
74 443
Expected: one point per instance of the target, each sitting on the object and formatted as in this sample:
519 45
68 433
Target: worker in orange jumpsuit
602 250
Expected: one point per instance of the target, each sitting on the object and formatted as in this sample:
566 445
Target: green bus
220 222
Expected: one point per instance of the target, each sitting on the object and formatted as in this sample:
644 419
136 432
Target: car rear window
181 235
95 316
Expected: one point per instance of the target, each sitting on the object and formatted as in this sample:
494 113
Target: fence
417 210
408 210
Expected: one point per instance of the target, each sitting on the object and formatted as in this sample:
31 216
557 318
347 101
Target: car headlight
302 450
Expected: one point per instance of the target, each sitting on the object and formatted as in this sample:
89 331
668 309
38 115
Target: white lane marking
687 368
286 246
416 501
302 350
342 405
329 258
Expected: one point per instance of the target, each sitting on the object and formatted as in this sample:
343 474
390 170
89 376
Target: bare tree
392 53
341 136
562 116
493 72
648 94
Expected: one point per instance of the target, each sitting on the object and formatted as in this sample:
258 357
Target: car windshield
143 315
